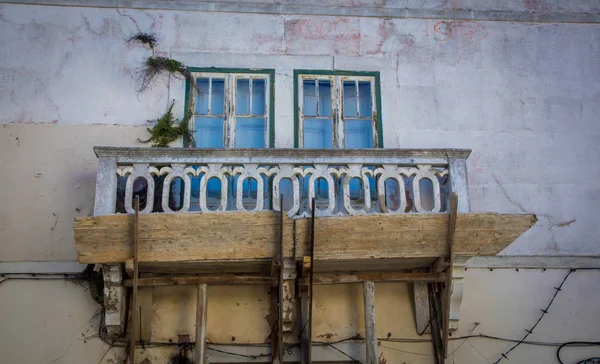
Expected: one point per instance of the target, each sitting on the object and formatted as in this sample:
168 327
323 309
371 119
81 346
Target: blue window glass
318 133
250 133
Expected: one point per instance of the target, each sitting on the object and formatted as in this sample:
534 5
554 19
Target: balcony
236 216
343 182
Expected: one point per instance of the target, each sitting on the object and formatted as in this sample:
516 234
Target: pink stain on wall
327 30
461 33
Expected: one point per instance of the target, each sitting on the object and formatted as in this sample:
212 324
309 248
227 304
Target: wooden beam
134 317
359 277
448 286
278 355
234 237
371 332
201 315
211 279
435 313
319 279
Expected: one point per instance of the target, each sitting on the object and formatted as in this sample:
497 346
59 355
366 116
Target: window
337 109
232 108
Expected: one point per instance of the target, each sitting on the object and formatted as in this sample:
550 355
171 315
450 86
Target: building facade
515 82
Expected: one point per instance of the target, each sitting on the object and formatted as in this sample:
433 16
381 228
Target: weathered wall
524 96
56 321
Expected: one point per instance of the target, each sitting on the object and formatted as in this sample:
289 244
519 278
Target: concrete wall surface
57 321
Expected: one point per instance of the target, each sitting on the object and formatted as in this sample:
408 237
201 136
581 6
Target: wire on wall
544 312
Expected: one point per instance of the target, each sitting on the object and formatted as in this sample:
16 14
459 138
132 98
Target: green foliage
155 66
149 39
168 129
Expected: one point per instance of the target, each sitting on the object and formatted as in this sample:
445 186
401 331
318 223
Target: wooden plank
359 277
371 332
421 303
311 280
411 235
209 279
319 279
247 236
435 313
201 315
452 221
134 316
182 237
279 347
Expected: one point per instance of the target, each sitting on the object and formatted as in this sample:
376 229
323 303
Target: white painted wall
525 96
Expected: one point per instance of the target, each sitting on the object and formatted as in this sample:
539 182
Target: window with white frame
337 109
232 109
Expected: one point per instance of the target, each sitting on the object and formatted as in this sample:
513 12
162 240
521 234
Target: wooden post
280 289
448 285
134 317
371 333
311 280
435 312
201 310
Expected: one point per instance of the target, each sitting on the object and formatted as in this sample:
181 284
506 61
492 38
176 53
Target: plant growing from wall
166 128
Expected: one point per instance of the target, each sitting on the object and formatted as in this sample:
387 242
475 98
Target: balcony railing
352 181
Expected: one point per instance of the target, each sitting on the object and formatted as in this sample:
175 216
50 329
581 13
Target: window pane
349 98
325 98
358 133
242 102
318 133
202 97
218 94
309 107
250 133
209 132
258 97
364 99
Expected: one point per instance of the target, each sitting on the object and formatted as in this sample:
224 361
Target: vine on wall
166 128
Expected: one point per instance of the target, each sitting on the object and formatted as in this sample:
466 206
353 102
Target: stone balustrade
351 181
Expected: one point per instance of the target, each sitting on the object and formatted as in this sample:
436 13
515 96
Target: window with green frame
337 109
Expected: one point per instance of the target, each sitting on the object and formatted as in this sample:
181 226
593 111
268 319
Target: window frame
229 121
337 77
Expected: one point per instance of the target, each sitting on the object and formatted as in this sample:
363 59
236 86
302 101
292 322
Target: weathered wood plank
248 236
182 236
319 278
201 315
411 235
134 303
450 238
371 332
